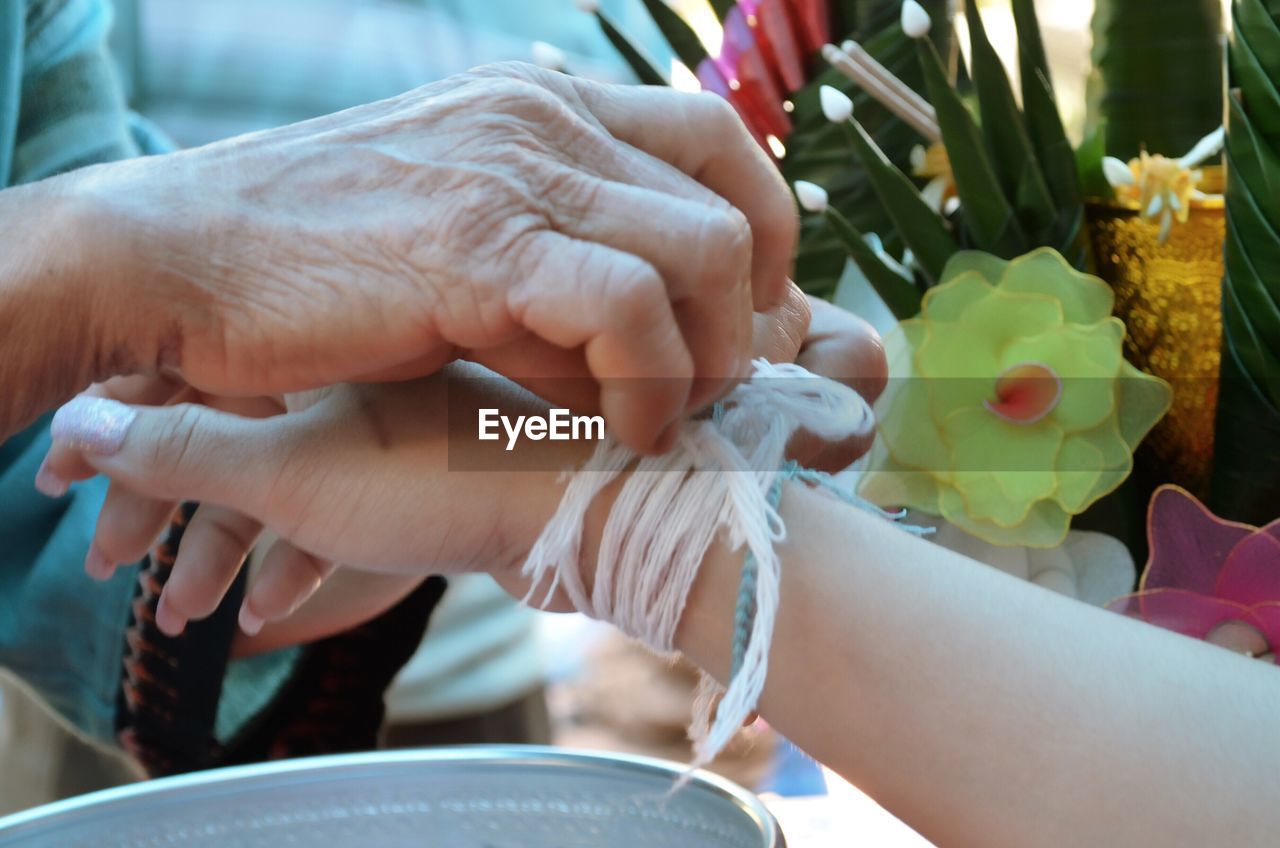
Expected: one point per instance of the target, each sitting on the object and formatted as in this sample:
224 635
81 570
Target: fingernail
98 565
50 484
170 623
94 425
251 624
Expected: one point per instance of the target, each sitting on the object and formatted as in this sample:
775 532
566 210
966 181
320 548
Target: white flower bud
836 105
812 197
915 20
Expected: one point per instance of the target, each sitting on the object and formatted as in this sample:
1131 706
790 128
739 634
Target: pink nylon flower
1208 578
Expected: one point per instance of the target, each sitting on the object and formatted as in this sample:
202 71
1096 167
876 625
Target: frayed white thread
669 511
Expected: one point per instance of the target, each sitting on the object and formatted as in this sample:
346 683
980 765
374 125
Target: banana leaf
989 215
844 15
919 226
1015 161
1053 149
1245 484
1089 156
1032 61
899 294
1158 73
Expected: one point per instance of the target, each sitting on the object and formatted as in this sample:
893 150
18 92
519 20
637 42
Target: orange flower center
1025 393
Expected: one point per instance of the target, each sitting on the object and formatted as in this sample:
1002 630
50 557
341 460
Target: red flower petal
743 66
779 43
814 22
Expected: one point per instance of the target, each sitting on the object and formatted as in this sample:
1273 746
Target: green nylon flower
1011 407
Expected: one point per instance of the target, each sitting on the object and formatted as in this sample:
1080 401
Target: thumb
183 452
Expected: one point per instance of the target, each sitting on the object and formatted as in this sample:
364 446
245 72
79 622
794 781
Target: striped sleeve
72 109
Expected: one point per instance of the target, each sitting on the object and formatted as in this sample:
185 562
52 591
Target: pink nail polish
50 484
97 565
251 624
94 425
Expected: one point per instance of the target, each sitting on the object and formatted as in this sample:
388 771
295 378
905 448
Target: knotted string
725 473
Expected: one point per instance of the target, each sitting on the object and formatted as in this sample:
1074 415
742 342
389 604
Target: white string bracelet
724 474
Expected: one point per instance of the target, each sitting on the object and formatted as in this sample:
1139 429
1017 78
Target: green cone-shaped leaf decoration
1246 474
918 225
1158 80
988 213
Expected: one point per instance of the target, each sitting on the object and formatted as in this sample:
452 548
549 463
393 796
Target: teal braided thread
744 615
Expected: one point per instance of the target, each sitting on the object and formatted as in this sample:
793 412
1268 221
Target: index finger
702 135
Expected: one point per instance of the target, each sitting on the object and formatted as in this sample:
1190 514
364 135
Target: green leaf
641 65
1258 89
989 216
1255 360
1158 80
878 15
1053 148
722 8
683 40
844 14
900 295
1246 469
1089 156
1008 142
1251 18
818 151
918 225
1255 163
1048 136
1246 456
1032 61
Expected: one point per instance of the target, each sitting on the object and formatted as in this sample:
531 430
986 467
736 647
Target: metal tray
473 797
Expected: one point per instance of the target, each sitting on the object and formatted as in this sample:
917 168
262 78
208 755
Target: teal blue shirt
60 108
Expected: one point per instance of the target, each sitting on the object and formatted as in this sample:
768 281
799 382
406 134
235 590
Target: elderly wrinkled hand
545 226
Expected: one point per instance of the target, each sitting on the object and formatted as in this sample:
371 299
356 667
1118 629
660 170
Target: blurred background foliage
209 68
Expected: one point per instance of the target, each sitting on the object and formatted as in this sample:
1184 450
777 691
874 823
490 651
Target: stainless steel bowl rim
316 766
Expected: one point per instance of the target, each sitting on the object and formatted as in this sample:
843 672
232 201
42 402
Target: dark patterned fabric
331 703
170 686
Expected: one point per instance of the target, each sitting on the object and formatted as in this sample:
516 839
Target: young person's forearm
986 711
